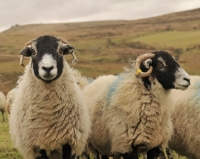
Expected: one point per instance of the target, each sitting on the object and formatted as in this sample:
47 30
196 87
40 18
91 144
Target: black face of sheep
47 56
166 70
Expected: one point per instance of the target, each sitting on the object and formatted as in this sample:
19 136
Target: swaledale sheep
2 104
49 118
186 119
130 113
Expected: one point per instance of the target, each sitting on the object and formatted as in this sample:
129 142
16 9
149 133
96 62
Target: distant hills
103 47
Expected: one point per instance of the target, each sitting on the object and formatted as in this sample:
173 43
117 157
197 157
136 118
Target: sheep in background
9 99
82 81
11 95
49 118
2 104
186 119
130 113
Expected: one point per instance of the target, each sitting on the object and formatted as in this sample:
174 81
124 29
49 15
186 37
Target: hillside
103 47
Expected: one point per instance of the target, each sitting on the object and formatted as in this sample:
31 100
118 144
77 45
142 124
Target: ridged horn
63 40
29 42
66 42
139 60
21 60
22 56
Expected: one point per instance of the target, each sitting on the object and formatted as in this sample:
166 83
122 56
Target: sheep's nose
187 79
47 69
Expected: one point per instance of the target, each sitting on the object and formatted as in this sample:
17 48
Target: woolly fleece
49 115
186 120
123 112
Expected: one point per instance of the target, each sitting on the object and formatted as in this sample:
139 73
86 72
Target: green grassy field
7 149
180 39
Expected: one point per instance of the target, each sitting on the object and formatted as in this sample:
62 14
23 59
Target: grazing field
102 48
7 150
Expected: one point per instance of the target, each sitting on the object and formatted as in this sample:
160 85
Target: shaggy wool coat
49 115
124 113
9 99
186 119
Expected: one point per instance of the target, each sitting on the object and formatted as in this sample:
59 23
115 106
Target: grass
7 149
180 39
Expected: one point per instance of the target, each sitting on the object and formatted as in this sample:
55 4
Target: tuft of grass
7 149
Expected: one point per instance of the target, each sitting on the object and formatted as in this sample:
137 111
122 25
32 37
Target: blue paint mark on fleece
113 87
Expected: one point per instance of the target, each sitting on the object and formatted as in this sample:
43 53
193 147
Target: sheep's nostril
51 68
188 80
47 69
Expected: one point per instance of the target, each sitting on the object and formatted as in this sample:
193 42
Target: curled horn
63 40
66 42
139 60
21 60
22 56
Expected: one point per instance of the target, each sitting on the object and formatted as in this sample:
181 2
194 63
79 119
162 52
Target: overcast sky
54 11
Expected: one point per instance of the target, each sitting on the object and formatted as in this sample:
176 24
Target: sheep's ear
67 49
27 51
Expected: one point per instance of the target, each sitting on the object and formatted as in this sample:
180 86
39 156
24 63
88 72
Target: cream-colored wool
82 81
123 112
9 99
49 115
186 120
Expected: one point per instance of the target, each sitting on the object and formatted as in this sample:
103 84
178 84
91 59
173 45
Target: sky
23 12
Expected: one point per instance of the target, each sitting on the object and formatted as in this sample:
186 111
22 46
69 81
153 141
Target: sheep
9 99
130 113
2 104
186 119
49 117
82 81
10 96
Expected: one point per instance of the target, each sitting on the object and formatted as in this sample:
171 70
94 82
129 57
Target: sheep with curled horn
49 118
131 112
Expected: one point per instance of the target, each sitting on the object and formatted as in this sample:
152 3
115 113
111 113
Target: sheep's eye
33 52
61 51
160 65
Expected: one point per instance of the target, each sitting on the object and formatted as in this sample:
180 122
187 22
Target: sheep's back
186 120
10 99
